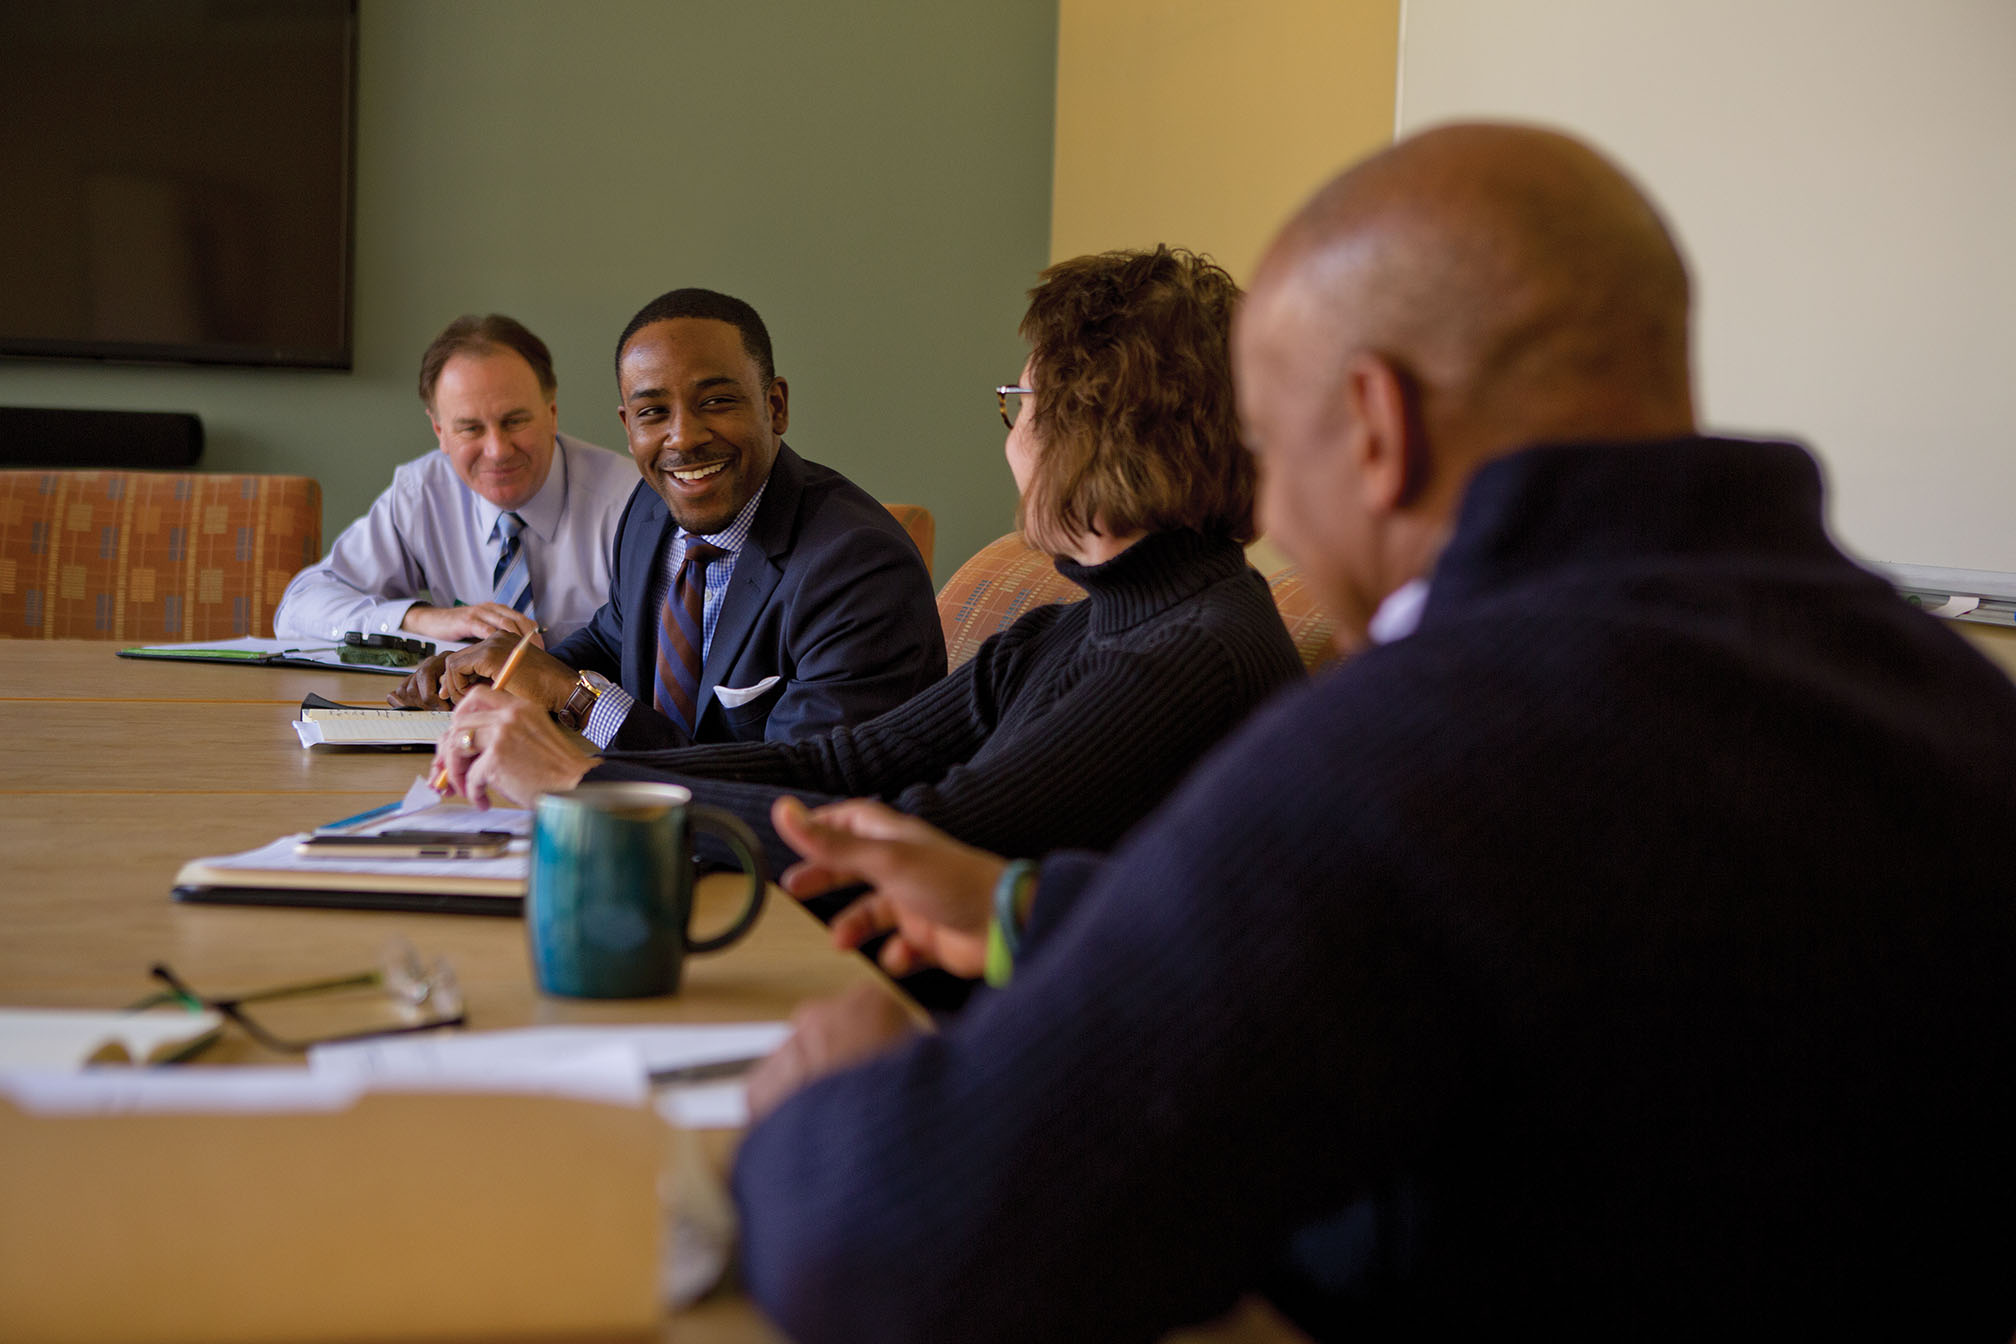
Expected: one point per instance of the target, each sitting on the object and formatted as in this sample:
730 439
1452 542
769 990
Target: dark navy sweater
1625 954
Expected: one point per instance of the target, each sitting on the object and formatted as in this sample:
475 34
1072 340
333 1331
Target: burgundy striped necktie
679 637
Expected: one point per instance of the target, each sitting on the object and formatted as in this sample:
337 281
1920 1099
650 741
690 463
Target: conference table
119 771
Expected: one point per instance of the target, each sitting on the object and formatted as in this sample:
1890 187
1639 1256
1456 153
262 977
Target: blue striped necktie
677 677
512 583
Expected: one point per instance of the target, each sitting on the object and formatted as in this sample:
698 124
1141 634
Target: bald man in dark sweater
1617 949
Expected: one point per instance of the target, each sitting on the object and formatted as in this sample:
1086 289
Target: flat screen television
176 179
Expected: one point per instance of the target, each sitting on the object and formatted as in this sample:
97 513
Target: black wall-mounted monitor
176 180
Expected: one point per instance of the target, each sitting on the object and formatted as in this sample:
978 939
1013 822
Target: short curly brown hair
1131 361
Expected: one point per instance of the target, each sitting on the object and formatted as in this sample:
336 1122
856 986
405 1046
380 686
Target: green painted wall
875 178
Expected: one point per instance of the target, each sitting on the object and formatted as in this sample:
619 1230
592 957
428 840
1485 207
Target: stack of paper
274 874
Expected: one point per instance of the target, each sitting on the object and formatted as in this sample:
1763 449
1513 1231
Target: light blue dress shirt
429 538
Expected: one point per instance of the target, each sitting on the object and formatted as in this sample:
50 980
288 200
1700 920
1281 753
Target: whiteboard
1842 177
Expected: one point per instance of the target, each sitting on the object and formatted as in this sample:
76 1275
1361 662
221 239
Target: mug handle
731 832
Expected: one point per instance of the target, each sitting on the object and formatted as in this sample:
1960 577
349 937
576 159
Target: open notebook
274 874
325 723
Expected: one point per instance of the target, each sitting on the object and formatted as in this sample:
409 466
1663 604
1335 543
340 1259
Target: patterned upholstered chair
142 556
917 521
1308 624
1006 578
1003 579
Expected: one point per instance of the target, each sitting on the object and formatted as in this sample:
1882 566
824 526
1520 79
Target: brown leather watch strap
574 714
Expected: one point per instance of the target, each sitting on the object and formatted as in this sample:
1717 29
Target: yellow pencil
503 677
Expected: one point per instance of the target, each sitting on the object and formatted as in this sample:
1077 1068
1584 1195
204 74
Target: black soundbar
33 436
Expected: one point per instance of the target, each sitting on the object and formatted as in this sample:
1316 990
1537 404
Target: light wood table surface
71 669
117 771
184 748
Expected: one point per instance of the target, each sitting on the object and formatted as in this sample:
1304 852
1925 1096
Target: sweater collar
1154 574
1556 506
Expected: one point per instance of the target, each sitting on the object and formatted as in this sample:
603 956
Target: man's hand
422 687
445 678
478 622
933 892
828 1035
540 677
501 748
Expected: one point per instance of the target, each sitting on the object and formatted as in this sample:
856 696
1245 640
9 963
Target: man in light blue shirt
507 527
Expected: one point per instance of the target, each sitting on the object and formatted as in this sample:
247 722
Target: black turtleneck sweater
1061 732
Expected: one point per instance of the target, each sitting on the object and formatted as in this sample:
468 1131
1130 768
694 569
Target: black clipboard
248 658
405 902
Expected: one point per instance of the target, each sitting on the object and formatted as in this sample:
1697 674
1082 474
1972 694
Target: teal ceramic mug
612 888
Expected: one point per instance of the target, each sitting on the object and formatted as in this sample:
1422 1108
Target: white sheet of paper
605 1073
422 804
279 857
1957 605
713 1104
54 1038
419 797
716 1105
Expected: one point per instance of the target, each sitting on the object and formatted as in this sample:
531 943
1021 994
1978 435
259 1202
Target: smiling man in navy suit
756 595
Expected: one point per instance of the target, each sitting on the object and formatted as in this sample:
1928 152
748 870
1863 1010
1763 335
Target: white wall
1842 175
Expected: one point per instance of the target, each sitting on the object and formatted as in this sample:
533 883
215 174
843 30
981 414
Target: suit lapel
641 648
759 566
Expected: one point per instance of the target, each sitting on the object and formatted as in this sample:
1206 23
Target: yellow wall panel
1203 123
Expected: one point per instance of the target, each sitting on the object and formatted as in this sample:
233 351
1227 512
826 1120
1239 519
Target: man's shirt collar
541 512
1399 613
731 537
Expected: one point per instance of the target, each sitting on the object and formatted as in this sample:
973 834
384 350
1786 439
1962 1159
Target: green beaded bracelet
1004 931
1000 966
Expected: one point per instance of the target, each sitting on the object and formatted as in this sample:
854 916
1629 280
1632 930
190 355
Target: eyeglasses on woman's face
1011 402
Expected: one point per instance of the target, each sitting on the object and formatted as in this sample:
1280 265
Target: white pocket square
732 697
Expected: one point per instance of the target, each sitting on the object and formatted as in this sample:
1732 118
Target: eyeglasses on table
423 996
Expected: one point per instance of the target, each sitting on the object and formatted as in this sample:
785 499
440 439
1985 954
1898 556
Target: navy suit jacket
828 594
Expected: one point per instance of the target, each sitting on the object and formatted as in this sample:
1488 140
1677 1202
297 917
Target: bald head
1470 291
1519 279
